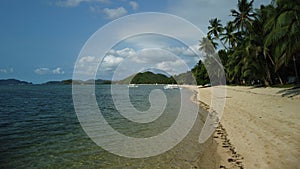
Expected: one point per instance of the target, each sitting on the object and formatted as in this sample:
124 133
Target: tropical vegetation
258 46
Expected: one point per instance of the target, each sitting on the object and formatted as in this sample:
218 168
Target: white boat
169 86
133 85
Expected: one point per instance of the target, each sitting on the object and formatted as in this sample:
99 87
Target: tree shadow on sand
291 92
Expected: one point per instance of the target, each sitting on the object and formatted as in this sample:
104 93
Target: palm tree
215 29
256 65
244 16
284 34
229 36
260 45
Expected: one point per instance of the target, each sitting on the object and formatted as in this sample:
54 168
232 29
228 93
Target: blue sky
40 40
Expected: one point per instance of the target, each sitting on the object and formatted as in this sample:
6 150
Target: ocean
39 128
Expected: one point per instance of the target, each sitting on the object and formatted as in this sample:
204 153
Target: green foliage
200 73
260 45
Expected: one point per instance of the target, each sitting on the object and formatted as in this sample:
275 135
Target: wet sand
260 128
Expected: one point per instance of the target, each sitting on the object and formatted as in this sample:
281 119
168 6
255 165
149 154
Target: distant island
139 78
70 81
62 82
147 78
13 82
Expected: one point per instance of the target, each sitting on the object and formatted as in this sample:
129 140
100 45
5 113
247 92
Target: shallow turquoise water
39 129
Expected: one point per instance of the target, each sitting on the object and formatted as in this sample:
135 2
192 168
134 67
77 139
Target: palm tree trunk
223 45
295 67
280 80
268 80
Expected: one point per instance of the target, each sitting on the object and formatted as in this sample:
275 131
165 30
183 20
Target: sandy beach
260 127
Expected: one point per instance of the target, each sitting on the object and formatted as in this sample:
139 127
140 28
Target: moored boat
171 86
133 85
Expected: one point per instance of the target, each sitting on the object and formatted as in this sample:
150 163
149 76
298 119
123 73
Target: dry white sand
260 128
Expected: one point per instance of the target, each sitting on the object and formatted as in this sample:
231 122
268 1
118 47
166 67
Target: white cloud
122 63
151 56
160 59
111 60
58 70
186 51
87 65
164 28
123 52
153 52
134 5
4 71
115 13
42 71
73 3
172 67
87 60
149 41
155 58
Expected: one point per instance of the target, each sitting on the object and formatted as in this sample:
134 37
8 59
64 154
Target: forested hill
148 78
13 82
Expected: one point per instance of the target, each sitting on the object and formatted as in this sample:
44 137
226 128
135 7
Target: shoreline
224 154
259 129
